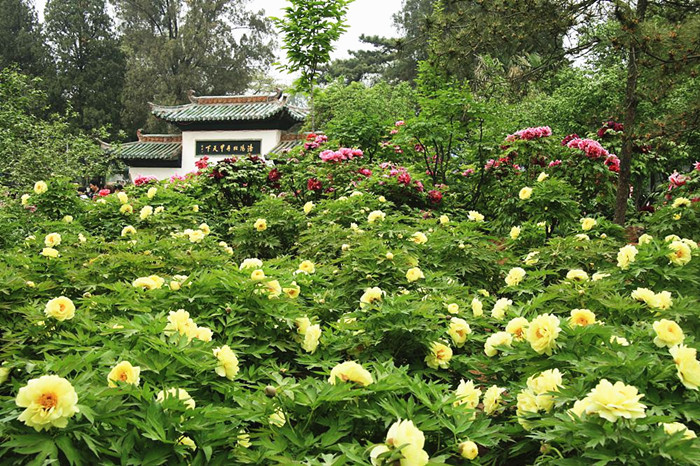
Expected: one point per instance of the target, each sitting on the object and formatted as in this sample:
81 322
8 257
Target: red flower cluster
591 148
314 185
314 141
202 163
610 126
569 138
141 180
435 196
529 134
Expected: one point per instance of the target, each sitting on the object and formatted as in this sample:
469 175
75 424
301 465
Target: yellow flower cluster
376 215
581 318
542 333
662 300
625 256
475 216
498 339
406 436
588 223
310 333
515 276
413 274
525 193
680 253
459 330
260 224
180 322
228 362
687 365
668 333
178 394
371 296
152 282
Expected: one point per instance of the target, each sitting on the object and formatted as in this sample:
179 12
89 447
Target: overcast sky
370 17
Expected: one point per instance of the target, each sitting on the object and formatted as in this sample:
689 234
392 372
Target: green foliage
33 148
358 116
461 261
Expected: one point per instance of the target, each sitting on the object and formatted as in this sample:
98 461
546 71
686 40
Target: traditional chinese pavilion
216 127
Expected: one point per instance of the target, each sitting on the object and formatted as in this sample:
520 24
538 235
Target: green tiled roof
285 146
227 111
149 150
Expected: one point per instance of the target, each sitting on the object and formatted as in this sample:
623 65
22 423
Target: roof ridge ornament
191 96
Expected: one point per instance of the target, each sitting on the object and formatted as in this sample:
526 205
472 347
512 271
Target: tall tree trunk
631 103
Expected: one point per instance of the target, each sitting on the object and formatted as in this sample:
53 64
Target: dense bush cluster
335 311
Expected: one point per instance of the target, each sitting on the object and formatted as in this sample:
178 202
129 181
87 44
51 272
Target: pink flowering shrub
529 134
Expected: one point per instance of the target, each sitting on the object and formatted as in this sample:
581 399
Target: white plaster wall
268 140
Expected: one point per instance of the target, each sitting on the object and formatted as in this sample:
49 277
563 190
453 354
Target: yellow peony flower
292 291
260 224
532 258
582 237
49 252
195 236
376 215
581 317
60 308
311 338
251 264
444 219
548 381
180 322
687 365
543 176
458 331
158 210
146 211
195 208
147 283
525 193
405 435
414 274
680 253
517 328
389 255
626 256
243 439
681 202
439 356
467 395
307 267
204 334
370 296
302 324
477 307
514 233
308 207
668 333
671 428
468 449
49 401
588 223
278 418
542 333
273 288
186 441
619 340
453 308
40 187
599 276
497 339
475 216
25 199
177 393
500 307
228 362
492 399
527 404
257 275
52 239
126 209
123 198
612 402
579 408
515 276
124 372
577 275
664 300
151 193
645 239
419 238
350 371
4 374
128 230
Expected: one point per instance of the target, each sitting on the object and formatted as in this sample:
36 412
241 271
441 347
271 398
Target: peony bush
357 325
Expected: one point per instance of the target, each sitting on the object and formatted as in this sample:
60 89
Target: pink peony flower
676 180
529 134
592 149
